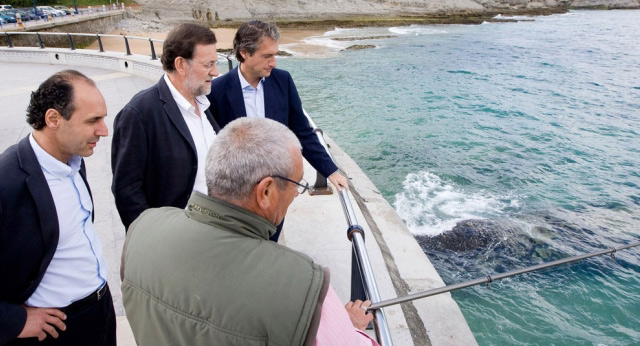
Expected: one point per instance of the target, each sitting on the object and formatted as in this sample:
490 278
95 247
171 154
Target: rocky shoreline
145 21
388 21
160 15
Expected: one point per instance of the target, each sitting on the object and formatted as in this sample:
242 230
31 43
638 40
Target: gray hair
250 35
246 151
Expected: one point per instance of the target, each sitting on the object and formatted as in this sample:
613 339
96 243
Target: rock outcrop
224 12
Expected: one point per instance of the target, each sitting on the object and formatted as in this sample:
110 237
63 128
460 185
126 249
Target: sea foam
430 205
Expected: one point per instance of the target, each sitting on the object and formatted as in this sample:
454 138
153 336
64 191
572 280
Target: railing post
153 51
71 45
357 284
126 44
9 43
100 43
320 187
40 41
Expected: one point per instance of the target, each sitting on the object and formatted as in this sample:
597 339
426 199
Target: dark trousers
91 324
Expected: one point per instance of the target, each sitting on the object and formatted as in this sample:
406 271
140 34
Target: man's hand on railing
358 313
339 181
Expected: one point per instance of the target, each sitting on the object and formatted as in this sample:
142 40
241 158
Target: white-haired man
209 275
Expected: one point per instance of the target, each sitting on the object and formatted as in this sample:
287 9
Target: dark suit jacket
281 103
153 156
28 233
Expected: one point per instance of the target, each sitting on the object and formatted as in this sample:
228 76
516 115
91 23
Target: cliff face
217 12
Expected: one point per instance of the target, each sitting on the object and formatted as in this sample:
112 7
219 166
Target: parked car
7 17
34 15
27 12
6 7
48 10
23 14
64 9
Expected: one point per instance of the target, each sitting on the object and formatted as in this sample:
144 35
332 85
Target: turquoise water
530 128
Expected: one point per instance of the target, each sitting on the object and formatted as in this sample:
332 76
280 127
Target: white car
50 10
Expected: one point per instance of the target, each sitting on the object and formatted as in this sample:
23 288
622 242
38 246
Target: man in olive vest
209 275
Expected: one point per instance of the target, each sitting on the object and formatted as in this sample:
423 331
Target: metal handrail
355 233
490 278
69 35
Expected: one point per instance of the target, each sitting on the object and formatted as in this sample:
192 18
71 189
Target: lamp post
35 10
75 6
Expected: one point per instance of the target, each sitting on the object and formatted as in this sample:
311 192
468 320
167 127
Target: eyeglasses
208 66
303 186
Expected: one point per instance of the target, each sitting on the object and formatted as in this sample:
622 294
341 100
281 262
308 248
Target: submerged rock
362 38
499 245
360 46
469 235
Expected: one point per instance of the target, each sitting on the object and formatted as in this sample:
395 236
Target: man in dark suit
162 136
256 88
54 277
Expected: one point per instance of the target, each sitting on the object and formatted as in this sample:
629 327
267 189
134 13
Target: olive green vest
209 275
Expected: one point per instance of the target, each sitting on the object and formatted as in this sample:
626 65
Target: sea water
526 132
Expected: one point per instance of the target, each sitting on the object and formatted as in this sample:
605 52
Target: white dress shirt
78 267
253 97
200 128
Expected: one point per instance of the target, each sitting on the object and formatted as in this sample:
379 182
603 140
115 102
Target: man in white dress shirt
162 136
54 276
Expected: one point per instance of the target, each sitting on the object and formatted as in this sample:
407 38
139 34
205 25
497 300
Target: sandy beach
290 40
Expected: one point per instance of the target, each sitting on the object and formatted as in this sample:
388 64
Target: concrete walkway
314 225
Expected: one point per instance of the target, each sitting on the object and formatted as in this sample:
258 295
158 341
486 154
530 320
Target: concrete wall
99 23
137 65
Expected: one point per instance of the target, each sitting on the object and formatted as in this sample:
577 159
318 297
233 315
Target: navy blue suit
281 103
29 232
153 156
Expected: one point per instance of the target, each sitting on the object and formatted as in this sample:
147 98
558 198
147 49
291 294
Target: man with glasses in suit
161 137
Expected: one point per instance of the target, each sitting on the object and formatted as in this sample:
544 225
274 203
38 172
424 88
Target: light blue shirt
78 267
253 97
